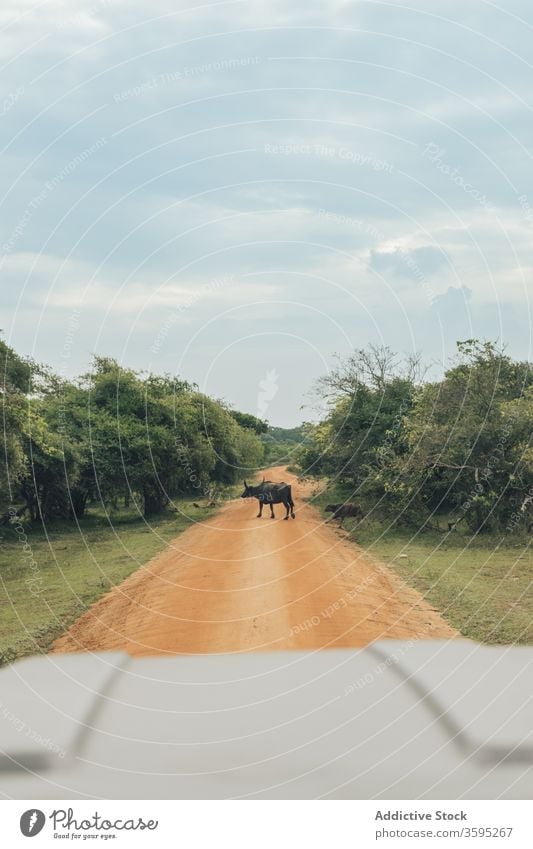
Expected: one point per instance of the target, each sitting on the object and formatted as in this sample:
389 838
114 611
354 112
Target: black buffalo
342 511
271 493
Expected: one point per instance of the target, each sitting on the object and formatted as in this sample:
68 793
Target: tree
459 447
113 435
15 386
461 443
370 393
246 420
149 438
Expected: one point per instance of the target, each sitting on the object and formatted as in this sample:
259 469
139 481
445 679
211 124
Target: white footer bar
268 824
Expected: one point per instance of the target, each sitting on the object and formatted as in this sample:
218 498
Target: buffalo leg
291 502
260 510
272 516
287 508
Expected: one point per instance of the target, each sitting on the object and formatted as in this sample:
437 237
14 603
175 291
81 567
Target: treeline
410 449
114 437
281 444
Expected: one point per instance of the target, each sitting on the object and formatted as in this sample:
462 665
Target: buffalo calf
343 511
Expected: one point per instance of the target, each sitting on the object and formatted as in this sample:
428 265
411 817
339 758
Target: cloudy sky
237 191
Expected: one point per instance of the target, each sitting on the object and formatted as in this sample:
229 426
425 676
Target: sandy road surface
236 583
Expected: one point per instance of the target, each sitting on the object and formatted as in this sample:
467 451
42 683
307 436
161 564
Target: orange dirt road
236 583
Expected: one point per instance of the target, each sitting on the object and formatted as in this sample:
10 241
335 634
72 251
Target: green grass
483 585
72 567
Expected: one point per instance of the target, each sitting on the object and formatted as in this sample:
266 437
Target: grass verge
482 585
50 578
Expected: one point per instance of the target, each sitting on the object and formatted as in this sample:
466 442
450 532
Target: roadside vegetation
281 445
49 577
114 438
96 476
443 472
415 451
482 584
